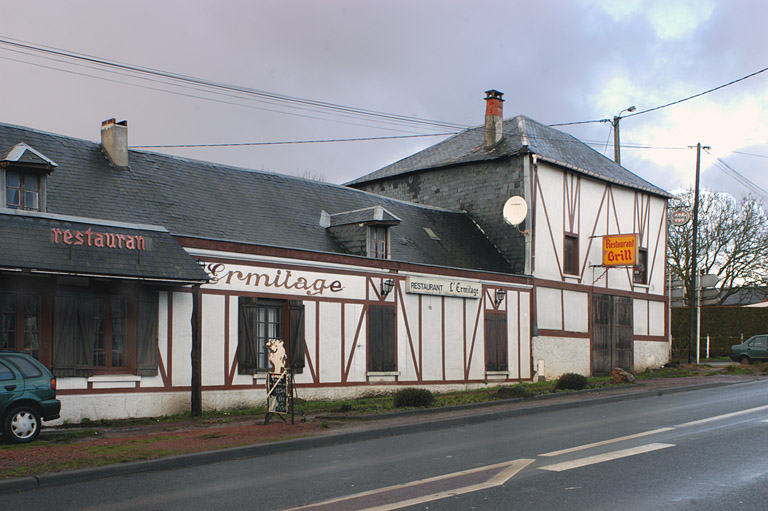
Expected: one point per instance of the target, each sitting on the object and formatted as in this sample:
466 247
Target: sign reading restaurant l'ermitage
620 250
443 287
92 238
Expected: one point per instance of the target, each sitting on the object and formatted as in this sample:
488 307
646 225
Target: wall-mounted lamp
201 264
386 287
500 293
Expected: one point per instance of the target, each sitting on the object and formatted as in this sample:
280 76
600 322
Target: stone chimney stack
494 115
114 142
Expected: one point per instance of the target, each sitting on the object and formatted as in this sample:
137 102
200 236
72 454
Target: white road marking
510 470
600 458
725 416
606 442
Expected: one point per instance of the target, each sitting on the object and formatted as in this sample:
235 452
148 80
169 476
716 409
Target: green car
754 348
27 395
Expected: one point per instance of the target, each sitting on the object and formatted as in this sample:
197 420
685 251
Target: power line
285 100
284 142
750 185
668 104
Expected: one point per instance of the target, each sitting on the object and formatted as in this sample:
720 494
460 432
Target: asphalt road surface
698 450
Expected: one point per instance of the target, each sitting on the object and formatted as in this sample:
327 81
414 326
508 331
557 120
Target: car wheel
22 425
744 359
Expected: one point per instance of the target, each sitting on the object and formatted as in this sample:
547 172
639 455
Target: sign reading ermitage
248 278
620 250
443 287
277 392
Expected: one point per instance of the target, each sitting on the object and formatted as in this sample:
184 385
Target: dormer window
22 191
362 232
378 246
23 175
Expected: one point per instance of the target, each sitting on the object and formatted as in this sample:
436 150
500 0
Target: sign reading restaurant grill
620 250
443 287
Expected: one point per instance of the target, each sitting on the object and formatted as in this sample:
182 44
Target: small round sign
680 216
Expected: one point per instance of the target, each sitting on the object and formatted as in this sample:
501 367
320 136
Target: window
381 338
109 347
641 269
261 320
107 331
496 342
571 254
377 245
22 191
20 322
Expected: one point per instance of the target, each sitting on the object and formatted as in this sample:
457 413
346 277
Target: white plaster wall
561 355
310 338
649 354
658 316
213 340
330 342
525 336
432 336
162 337
356 349
549 215
640 317
405 356
454 340
513 338
576 311
475 355
182 339
550 307
120 406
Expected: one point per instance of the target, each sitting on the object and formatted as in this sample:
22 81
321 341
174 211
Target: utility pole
693 301
616 136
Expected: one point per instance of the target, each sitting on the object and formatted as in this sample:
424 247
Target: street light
615 124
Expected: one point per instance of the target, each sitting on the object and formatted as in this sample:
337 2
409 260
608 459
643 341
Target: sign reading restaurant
443 287
620 250
92 238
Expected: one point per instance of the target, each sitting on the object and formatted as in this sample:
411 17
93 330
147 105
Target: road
699 450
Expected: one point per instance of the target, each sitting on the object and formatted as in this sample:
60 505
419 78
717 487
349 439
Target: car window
758 342
6 373
27 368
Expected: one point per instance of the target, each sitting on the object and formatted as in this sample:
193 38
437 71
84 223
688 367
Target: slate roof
28 245
747 296
521 135
205 200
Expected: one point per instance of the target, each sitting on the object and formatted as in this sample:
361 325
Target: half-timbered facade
589 315
124 271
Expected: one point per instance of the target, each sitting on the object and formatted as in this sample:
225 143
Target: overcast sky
557 61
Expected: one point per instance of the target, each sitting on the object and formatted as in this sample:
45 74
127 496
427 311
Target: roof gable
521 135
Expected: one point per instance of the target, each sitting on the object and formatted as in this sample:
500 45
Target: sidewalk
187 443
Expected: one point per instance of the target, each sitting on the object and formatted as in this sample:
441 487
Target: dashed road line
600 458
605 442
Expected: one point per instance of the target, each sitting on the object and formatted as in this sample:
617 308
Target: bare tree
732 244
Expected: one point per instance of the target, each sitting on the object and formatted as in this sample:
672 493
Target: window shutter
381 338
297 340
146 336
246 339
72 336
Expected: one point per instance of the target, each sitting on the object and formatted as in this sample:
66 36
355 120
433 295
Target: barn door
612 333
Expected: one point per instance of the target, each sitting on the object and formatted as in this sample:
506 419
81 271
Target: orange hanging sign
620 250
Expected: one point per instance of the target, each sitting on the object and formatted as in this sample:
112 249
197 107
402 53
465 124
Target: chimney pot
114 142
494 117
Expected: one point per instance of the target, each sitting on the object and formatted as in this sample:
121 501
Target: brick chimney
494 115
114 142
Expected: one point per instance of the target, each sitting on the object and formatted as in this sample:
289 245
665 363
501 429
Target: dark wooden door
496 342
611 333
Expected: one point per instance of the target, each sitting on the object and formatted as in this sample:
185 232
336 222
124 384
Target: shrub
413 397
513 391
571 381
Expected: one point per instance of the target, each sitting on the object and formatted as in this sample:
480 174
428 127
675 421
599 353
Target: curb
23 484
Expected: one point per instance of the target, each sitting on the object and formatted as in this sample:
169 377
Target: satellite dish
515 210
